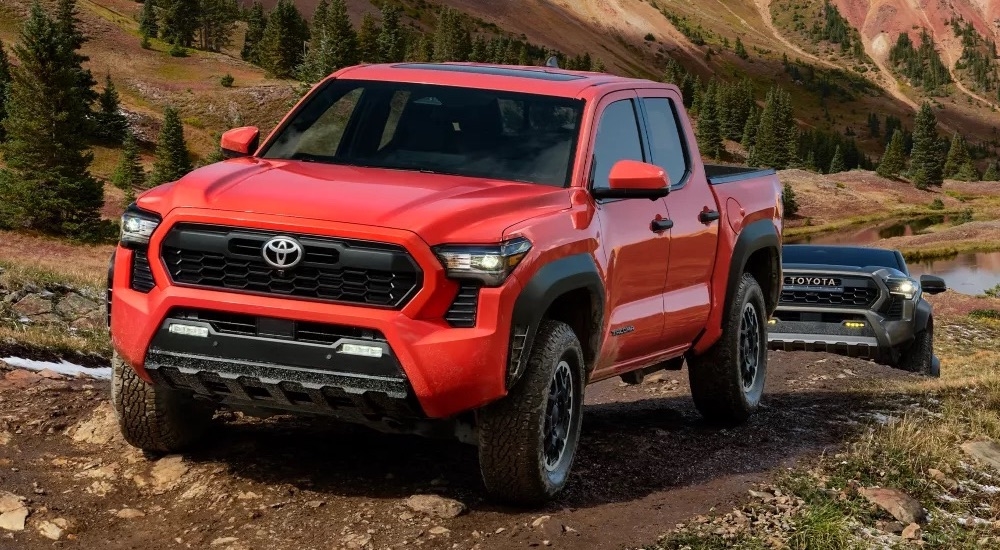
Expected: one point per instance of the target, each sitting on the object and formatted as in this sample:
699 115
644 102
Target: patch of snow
63 367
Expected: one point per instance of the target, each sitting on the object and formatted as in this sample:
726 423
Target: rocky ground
647 462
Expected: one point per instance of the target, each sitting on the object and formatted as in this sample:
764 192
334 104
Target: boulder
902 506
435 505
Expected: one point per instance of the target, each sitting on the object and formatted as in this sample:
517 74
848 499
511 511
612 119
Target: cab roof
538 80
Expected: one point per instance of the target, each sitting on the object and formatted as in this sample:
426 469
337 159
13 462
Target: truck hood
439 208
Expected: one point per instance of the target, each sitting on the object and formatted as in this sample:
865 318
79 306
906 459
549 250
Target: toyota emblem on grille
282 252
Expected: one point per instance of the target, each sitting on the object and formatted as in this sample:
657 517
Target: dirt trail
888 80
647 462
764 7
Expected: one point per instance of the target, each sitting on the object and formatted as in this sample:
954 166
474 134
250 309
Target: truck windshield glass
440 129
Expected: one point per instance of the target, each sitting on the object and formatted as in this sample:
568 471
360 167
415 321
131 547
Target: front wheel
528 440
727 381
155 418
919 356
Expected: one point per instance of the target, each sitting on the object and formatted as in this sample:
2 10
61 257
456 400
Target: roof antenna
552 62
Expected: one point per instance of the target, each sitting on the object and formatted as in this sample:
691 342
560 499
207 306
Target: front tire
727 381
528 440
919 356
154 418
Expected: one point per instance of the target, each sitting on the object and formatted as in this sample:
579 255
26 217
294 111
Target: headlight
137 226
902 286
489 264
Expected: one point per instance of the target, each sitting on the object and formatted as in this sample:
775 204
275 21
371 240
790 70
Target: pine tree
894 160
452 40
967 172
837 163
111 124
256 23
750 128
4 86
216 23
810 163
776 130
599 66
334 43
926 164
172 160
71 38
47 183
752 157
391 41
180 21
992 172
368 39
149 25
129 174
280 48
789 203
740 49
958 155
709 132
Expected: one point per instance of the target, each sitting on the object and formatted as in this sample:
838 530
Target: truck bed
718 174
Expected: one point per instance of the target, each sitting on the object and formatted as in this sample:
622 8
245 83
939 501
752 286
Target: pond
966 273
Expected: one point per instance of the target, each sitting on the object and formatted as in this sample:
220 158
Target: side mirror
631 179
240 142
932 284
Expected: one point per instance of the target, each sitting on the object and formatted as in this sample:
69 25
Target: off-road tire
718 385
155 419
919 355
512 431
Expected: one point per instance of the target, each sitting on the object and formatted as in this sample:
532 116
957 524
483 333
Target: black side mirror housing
932 284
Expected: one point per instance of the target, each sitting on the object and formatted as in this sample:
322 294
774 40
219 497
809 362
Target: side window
396 106
666 144
617 139
323 137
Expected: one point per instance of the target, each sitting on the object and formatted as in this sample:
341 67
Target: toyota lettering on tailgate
826 282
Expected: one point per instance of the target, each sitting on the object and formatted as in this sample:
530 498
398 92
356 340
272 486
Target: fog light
363 351
772 321
854 324
188 330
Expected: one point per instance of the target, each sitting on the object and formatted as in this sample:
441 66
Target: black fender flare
575 272
107 291
756 236
922 314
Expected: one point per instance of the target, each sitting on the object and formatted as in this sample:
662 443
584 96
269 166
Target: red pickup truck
448 248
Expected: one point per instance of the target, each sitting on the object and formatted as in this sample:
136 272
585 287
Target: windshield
440 129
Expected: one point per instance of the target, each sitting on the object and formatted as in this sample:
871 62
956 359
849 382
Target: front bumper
824 329
440 370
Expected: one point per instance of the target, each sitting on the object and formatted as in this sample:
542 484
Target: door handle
660 225
708 216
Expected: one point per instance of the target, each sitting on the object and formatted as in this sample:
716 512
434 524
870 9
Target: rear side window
666 145
617 139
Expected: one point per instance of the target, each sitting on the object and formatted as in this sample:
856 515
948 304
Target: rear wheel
919 356
155 418
727 381
528 440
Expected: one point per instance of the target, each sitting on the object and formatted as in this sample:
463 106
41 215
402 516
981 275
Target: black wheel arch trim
922 315
575 272
108 290
759 235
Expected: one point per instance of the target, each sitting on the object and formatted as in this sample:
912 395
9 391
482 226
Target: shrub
936 204
227 81
649 37
993 292
176 50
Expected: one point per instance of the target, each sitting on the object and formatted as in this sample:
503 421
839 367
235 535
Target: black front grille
300 331
854 293
462 313
142 276
336 270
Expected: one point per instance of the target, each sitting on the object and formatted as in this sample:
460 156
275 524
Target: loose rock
50 530
223 540
912 532
987 452
13 512
130 513
902 506
540 521
435 505
168 471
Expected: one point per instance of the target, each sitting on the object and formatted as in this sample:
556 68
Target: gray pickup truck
856 301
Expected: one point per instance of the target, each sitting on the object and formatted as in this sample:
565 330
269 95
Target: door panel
687 296
637 256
